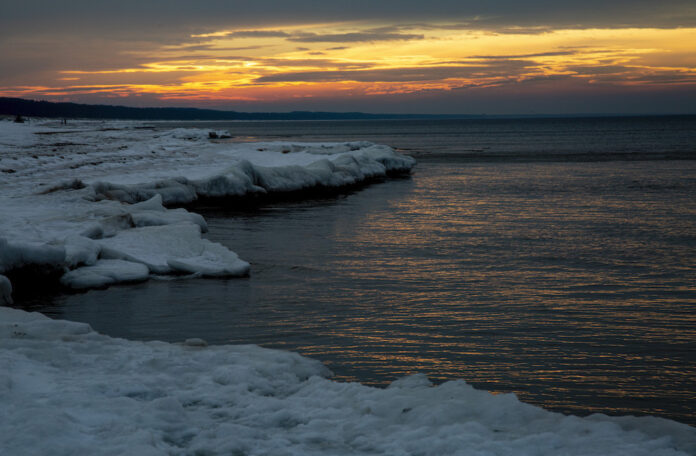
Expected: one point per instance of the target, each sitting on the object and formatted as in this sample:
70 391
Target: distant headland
32 108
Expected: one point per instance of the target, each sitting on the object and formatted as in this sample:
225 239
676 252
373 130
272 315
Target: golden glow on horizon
334 60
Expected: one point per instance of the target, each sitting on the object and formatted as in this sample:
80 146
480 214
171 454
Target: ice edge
129 233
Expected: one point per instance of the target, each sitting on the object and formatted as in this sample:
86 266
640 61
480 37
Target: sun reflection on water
572 285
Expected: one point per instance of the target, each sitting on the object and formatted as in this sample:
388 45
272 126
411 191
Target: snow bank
68 390
270 174
73 197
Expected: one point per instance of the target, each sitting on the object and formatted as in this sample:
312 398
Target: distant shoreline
47 109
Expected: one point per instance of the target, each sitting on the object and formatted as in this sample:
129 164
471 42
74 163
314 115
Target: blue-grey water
554 258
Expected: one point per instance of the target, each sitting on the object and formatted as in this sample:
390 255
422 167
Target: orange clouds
345 60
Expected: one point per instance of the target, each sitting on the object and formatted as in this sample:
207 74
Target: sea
554 258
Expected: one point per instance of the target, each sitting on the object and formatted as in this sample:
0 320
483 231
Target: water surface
572 284
550 257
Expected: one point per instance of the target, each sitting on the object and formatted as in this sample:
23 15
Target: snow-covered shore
67 390
87 202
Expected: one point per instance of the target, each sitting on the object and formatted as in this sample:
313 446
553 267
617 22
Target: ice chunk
105 272
173 248
80 250
30 261
195 342
152 213
19 254
114 217
237 180
109 226
172 191
214 260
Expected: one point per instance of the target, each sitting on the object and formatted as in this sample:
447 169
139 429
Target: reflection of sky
566 277
572 284
452 65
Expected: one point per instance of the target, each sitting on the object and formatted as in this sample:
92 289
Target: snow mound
68 390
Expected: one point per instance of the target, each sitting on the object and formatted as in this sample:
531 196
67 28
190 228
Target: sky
381 56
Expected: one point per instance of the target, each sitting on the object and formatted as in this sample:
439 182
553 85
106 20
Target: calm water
592 139
570 280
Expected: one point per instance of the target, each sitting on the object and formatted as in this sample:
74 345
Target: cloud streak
419 74
352 37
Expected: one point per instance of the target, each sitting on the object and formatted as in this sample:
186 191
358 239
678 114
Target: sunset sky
468 57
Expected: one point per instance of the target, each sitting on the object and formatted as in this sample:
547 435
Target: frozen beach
96 215
86 202
68 390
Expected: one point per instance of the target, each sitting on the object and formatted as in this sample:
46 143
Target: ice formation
105 272
88 198
67 390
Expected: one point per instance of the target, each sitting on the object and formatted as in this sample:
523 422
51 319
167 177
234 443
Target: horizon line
381 115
